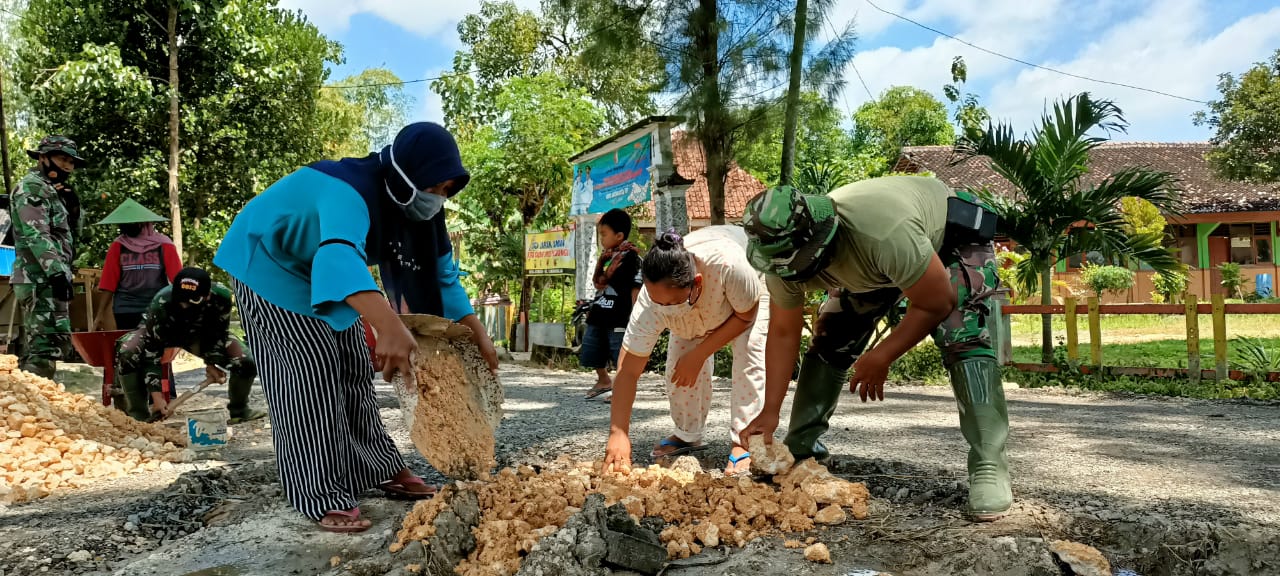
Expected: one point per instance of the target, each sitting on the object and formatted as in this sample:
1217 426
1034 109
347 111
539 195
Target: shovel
172 408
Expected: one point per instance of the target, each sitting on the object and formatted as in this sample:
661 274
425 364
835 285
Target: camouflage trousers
847 322
46 329
133 357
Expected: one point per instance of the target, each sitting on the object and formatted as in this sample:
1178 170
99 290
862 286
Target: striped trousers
330 442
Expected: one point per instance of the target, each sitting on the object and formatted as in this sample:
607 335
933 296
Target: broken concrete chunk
1082 559
769 458
818 553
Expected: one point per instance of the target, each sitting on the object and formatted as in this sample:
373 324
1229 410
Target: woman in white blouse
702 289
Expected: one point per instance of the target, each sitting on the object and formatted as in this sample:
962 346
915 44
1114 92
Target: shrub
1232 279
1255 360
1101 279
1169 285
920 364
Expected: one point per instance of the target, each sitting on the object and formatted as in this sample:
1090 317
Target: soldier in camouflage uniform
869 244
43 238
193 313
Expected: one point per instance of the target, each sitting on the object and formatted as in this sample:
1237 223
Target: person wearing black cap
193 313
299 254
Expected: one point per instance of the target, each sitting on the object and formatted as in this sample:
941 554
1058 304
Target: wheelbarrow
98 349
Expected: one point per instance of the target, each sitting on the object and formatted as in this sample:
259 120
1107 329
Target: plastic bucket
207 429
1262 285
7 256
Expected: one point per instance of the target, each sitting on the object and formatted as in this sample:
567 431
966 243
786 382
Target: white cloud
1009 26
1166 48
1159 44
424 17
432 105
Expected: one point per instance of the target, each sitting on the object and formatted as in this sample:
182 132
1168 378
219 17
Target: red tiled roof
1203 192
692 164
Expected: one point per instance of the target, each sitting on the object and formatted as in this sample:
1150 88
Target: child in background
617 282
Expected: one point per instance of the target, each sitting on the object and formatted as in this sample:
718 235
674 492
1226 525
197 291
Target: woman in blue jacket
299 254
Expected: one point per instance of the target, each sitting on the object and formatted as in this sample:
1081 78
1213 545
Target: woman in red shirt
139 263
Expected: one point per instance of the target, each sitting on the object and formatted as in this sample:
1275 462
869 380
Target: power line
1032 64
835 36
401 83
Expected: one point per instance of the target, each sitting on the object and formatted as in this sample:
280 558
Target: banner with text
614 180
549 253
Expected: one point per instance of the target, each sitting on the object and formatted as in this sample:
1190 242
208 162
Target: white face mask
422 206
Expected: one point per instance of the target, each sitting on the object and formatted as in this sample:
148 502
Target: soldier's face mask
424 204
57 167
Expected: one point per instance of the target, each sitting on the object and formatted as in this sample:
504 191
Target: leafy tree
1246 123
1054 211
379 99
970 116
99 71
520 173
903 116
1142 217
821 140
723 59
502 42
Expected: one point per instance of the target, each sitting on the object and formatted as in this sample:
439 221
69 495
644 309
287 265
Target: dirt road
1161 486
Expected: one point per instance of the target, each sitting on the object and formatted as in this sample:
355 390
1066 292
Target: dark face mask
53 172
131 230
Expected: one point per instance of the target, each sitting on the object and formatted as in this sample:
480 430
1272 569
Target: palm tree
1057 211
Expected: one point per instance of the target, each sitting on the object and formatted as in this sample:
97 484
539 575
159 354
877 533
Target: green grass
1159 353
1204 389
1130 328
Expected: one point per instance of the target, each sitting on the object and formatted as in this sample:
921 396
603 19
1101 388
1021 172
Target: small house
1223 220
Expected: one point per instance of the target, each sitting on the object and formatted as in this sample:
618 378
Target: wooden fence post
1219 337
1095 332
1193 337
1073 335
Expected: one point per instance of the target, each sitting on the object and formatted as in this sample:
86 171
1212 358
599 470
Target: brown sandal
352 514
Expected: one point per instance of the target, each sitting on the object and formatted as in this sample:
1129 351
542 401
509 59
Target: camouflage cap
58 143
790 233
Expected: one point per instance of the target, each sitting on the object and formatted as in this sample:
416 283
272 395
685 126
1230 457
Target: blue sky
1173 46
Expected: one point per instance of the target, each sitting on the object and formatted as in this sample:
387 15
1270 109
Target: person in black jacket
617 281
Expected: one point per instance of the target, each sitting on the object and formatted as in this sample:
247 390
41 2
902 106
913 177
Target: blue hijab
408 253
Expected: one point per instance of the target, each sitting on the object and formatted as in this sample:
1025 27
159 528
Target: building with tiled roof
691 164
1224 220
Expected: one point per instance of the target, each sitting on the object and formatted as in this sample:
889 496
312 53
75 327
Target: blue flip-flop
735 460
681 448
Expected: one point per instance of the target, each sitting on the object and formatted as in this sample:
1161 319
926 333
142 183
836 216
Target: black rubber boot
238 390
984 421
817 392
136 397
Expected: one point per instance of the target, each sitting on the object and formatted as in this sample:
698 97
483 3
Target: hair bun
669 240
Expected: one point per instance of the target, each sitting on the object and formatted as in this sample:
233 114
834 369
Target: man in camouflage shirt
43 239
194 313
869 244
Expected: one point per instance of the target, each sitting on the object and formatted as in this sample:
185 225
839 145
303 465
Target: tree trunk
793 95
175 209
1046 320
4 142
717 173
526 286
714 131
